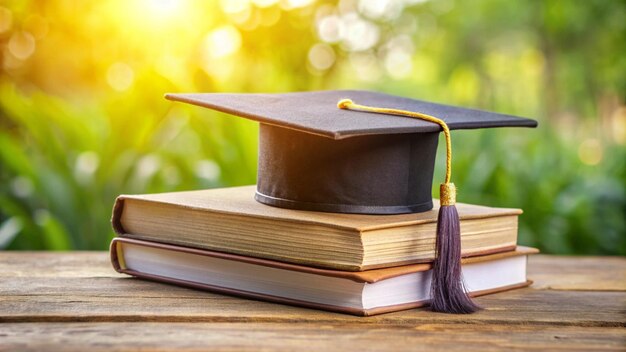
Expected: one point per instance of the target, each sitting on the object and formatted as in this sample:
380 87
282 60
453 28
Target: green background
83 119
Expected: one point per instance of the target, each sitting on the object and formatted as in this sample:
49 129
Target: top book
230 220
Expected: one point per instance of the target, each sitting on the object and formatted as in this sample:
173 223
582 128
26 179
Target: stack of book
224 241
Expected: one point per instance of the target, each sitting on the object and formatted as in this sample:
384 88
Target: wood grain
75 301
302 337
578 273
146 301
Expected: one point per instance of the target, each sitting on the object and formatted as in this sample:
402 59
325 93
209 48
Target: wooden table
75 301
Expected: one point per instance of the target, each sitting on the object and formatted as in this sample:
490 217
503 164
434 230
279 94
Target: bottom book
360 293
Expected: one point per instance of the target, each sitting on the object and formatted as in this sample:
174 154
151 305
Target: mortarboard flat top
317 113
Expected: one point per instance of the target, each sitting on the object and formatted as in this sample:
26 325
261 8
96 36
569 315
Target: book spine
117 257
116 216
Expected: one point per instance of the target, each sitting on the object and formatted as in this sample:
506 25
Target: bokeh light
222 42
590 152
120 76
6 19
321 57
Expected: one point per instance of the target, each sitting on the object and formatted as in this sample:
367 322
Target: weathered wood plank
55 264
302 337
109 299
578 273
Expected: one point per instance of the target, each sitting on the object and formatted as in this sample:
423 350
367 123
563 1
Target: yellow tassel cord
447 190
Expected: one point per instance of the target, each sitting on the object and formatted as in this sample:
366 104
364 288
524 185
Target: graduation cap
351 151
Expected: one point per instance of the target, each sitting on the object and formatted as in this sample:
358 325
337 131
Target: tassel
447 290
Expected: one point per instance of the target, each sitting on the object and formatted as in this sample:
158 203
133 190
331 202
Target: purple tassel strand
447 290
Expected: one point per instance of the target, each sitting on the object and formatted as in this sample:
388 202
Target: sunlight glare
162 8
222 42
264 3
235 6
153 14
294 4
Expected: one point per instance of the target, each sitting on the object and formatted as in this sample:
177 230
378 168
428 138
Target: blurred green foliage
82 117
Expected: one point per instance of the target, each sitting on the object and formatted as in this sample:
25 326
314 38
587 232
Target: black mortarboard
314 156
318 155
